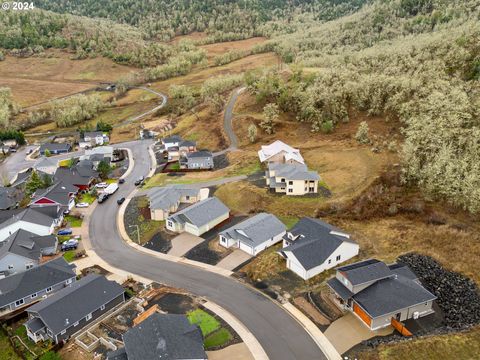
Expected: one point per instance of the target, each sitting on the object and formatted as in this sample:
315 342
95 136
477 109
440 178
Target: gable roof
76 301
187 143
267 151
92 134
77 175
45 162
23 284
199 154
29 215
365 271
164 336
55 147
166 197
201 213
9 196
293 171
59 193
171 139
26 244
256 230
316 241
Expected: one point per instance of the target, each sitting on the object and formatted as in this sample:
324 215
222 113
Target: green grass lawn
111 181
87 197
69 255
73 221
289 221
63 238
218 338
6 349
205 321
38 349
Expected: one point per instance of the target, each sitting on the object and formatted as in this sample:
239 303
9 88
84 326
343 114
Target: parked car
121 201
14 150
71 244
101 185
102 198
82 205
65 232
139 180
121 181
29 151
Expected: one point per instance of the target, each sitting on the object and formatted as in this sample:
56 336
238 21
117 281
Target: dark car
65 232
121 201
102 198
139 181
121 181
71 244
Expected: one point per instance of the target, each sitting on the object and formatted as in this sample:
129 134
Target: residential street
280 335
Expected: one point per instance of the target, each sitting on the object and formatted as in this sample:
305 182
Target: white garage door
246 248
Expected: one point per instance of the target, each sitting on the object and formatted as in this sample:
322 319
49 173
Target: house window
290 183
33 296
10 267
187 197
290 190
19 302
88 317
170 224
329 261
28 266
69 281
49 289
283 180
338 258
75 324
102 307
63 332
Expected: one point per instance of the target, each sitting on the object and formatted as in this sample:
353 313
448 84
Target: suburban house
279 152
55 148
60 195
29 219
255 234
380 295
10 197
46 165
187 146
291 179
21 289
198 160
65 313
170 141
80 177
167 200
313 246
24 250
93 138
21 178
162 336
198 218
98 154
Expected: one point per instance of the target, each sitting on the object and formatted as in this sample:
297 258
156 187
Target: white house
171 141
313 246
255 234
279 152
46 165
199 218
291 179
93 138
31 220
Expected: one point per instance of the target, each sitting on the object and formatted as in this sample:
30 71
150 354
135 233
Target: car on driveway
65 232
139 181
82 205
121 201
71 244
101 185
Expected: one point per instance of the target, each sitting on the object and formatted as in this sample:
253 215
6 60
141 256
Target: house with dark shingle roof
291 179
198 218
380 294
313 246
197 160
254 234
36 221
21 289
81 177
10 197
24 250
162 336
74 307
60 195
55 148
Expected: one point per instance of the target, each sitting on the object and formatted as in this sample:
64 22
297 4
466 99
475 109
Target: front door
397 316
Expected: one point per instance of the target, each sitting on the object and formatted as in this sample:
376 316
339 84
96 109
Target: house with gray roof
380 294
198 160
55 148
24 250
254 234
36 221
313 246
10 197
162 336
46 165
81 177
60 195
199 218
19 290
291 179
68 311
167 200
92 138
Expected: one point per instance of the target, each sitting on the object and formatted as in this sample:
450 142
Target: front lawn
69 255
218 338
87 197
205 321
63 238
6 350
73 221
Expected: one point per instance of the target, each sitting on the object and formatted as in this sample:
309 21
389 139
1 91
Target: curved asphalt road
280 335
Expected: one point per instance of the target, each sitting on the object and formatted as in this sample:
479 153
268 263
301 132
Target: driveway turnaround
183 243
236 258
280 335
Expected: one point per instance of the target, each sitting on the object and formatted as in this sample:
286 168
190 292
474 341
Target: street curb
131 162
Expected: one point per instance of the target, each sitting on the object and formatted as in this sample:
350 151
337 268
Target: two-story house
291 179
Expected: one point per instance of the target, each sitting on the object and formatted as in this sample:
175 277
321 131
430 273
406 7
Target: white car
82 205
101 185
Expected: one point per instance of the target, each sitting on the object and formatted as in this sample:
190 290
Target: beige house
292 179
281 153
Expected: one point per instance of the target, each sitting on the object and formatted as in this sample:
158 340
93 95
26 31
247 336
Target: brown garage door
362 314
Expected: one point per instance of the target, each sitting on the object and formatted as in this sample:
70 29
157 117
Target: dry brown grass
221 48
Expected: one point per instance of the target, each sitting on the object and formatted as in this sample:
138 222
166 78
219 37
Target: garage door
362 314
246 248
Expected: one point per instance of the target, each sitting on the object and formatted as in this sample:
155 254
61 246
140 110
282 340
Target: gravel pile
458 296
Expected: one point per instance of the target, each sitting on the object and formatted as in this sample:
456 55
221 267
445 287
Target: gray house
19 290
162 336
55 148
198 160
23 250
380 294
10 197
199 218
255 234
68 311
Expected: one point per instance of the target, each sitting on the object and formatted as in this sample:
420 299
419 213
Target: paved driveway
349 331
233 260
182 243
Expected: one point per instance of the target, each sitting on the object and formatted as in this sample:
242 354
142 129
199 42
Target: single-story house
55 148
162 336
279 152
198 160
291 179
21 289
164 201
313 246
24 250
46 165
99 153
10 197
81 177
60 195
198 218
93 138
170 141
68 311
255 234
380 294
30 219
